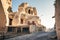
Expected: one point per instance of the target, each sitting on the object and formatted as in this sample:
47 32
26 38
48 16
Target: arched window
10 21
21 21
29 11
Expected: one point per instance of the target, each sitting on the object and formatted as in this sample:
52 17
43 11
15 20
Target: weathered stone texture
57 18
24 17
2 18
7 4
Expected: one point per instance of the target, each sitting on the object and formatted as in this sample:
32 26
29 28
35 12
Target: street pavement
36 36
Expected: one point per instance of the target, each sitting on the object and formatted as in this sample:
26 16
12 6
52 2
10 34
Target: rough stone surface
57 17
2 18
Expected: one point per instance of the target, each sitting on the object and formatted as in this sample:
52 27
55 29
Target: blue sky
45 10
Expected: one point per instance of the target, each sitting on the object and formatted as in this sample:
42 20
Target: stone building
57 17
24 20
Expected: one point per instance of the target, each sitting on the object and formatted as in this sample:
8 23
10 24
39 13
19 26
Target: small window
9 9
33 22
18 30
25 30
29 23
11 29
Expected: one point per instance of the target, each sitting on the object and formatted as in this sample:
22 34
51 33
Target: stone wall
2 18
57 18
7 4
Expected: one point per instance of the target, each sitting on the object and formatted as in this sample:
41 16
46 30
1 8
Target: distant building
25 19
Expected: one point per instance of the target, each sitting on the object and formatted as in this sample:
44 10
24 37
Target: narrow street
36 36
